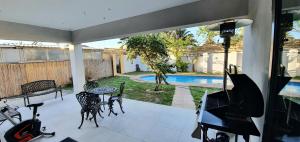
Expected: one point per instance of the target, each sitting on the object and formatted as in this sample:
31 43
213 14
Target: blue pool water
292 87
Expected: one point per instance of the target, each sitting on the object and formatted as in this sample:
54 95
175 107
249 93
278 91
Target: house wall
130 66
214 62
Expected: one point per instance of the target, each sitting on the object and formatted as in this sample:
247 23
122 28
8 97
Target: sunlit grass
141 91
198 92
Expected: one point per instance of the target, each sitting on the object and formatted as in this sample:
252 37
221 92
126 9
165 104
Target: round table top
103 90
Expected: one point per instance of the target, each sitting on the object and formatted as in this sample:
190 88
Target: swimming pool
291 88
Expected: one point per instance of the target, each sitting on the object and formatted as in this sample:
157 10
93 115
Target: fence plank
12 76
95 70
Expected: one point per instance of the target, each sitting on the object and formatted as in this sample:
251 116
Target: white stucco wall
198 63
214 62
292 58
257 48
130 66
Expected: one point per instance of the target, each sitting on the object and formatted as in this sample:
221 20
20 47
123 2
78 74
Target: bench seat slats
38 88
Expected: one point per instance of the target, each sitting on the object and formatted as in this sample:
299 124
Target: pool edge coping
137 79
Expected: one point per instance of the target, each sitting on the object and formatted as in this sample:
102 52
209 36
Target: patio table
102 91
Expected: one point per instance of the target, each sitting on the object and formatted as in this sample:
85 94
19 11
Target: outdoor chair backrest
36 86
122 87
88 100
90 85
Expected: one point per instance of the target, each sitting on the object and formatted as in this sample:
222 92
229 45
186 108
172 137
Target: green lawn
198 92
68 87
141 91
296 77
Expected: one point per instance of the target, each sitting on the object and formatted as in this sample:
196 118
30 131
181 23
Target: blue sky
114 43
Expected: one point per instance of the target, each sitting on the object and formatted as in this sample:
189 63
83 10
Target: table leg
288 113
246 138
236 137
204 133
103 104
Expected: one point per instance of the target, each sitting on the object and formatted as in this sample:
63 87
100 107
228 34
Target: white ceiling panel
78 14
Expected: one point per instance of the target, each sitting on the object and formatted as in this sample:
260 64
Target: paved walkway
183 98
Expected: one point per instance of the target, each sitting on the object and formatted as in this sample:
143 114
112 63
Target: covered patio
79 22
146 123
76 22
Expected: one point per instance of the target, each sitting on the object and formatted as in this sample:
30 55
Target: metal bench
41 87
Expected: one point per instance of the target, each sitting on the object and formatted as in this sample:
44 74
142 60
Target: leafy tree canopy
208 35
153 52
177 42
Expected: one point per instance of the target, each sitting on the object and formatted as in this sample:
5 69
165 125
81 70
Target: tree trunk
158 79
165 80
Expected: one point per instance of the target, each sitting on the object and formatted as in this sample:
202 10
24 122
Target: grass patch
68 86
138 91
139 73
198 92
296 77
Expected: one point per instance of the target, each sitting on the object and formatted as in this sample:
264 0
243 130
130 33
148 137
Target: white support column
210 63
257 51
114 64
77 67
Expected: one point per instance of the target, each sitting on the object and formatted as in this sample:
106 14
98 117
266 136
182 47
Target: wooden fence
95 70
12 76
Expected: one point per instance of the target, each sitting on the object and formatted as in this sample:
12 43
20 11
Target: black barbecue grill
244 100
231 110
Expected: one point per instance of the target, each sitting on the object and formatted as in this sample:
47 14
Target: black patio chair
90 85
117 98
90 103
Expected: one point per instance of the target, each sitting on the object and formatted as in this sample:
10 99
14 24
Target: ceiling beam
15 31
200 12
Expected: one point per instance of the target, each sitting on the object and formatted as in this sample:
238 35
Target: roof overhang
194 13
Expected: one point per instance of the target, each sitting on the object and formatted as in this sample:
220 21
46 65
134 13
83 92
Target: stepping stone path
183 98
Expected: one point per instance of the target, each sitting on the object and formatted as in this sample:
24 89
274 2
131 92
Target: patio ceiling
80 21
77 21
77 14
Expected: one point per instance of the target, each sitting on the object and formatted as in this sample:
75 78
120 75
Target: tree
177 42
153 52
237 39
208 35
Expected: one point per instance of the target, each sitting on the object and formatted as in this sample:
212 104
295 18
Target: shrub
181 66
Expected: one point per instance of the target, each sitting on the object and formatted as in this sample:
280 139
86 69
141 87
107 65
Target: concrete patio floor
142 122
